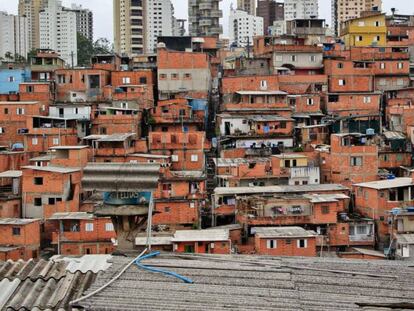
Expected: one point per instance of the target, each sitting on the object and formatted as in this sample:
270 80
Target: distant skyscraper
58 31
248 6
84 21
343 10
203 18
179 27
31 9
159 20
14 37
271 11
244 27
129 26
301 9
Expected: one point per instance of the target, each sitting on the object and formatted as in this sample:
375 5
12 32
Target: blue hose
152 269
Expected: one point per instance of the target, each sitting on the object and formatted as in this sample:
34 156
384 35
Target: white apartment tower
14 38
204 18
301 9
58 31
31 9
84 21
159 21
244 27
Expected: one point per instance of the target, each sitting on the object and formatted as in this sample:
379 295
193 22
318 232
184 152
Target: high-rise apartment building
301 9
14 38
30 9
248 6
243 27
159 22
271 11
204 16
129 26
343 10
84 21
57 29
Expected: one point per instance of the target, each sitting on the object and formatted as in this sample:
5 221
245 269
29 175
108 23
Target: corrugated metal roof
243 282
131 177
390 135
283 232
279 189
201 235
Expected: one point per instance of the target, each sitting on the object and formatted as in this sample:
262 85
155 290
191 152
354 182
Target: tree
87 48
8 56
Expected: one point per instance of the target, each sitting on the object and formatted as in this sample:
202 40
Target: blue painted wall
19 75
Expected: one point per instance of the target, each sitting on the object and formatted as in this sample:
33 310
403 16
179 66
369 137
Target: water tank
370 132
390 176
396 211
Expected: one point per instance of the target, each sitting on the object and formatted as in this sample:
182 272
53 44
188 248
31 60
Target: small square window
271 244
37 201
52 201
303 243
109 226
194 158
89 227
325 209
167 209
38 180
16 231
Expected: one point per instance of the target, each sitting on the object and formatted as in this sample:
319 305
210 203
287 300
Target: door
188 248
227 128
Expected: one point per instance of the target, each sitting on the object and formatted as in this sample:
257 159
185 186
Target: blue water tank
396 211
370 132
390 176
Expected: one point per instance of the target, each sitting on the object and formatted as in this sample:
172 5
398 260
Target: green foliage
87 48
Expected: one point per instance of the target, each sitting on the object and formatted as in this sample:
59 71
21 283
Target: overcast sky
102 10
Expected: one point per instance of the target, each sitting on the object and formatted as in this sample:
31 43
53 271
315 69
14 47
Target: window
29 88
174 76
194 158
143 80
89 226
293 58
382 65
341 82
356 161
367 99
282 124
312 58
309 101
361 230
11 79
377 38
56 141
19 111
340 65
303 243
359 38
187 75
400 65
34 141
38 181
109 226
163 76
377 23
174 158
16 231
167 209
271 244
61 79
37 201
6 110
263 84
279 58
325 209
51 201
126 80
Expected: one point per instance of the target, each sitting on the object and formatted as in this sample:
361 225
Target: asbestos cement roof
16 221
47 285
261 93
11 174
224 162
241 282
53 169
201 235
283 232
405 238
71 216
387 183
278 189
155 240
